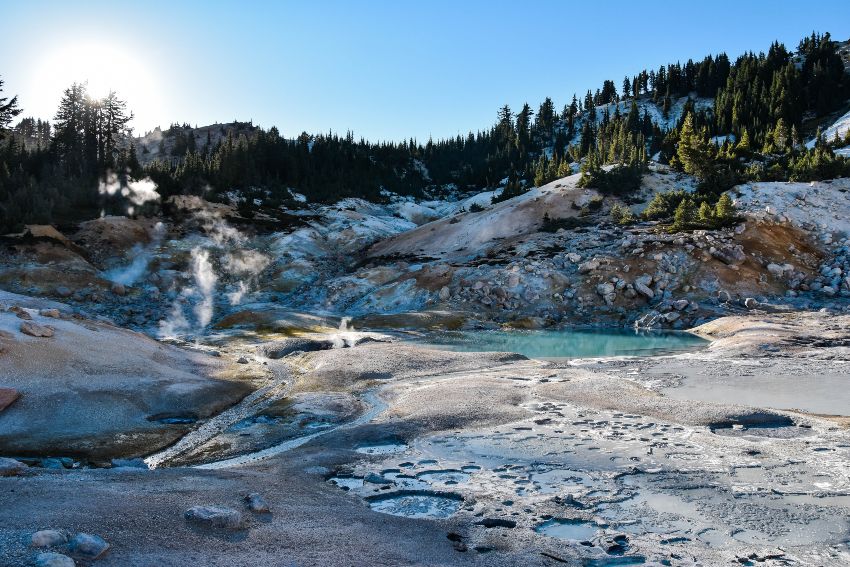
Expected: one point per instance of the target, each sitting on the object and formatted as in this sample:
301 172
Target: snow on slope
841 126
343 228
821 206
469 234
655 111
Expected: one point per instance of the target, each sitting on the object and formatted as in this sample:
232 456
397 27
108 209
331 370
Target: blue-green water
567 343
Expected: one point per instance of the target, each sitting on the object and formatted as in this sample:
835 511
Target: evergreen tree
694 151
8 110
724 211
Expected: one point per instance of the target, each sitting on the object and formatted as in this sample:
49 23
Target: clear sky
384 69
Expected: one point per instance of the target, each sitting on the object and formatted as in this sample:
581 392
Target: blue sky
386 70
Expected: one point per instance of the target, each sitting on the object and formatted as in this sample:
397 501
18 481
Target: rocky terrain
191 387
386 265
384 453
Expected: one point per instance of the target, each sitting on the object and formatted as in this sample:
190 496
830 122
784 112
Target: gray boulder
214 517
257 503
48 538
36 330
11 467
644 289
53 560
588 266
88 546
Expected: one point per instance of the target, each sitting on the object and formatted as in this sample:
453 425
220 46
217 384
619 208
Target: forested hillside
722 121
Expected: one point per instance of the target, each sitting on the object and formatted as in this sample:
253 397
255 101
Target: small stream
376 407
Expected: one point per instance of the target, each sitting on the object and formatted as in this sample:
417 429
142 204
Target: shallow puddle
572 530
347 482
417 504
382 449
444 476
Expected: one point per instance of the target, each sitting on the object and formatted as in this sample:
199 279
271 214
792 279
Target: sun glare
103 67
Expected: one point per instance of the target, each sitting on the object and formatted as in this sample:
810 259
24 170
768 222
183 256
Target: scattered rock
257 503
728 256
588 266
214 517
36 330
53 560
20 313
375 478
644 290
11 467
51 463
48 538
607 292
63 291
129 464
88 546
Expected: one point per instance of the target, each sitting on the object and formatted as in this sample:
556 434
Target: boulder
644 289
36 330
214 517
63 291
671 316
445 293
604 289
11 467
52 313
48 538
375 478
751 303
257 503
728 256
588 266
607 291
88 546
119 289
53 560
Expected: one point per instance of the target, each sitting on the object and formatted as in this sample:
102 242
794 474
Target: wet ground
390 453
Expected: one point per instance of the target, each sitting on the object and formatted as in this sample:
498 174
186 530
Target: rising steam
136 192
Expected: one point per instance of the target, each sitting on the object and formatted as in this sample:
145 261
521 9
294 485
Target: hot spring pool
584 343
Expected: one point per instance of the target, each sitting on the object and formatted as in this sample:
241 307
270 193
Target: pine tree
724 211
693 151
8 110
685 214
706 213
523 129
